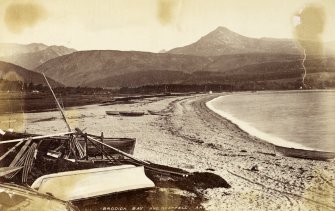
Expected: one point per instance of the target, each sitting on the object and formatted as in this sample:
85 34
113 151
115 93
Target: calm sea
300 119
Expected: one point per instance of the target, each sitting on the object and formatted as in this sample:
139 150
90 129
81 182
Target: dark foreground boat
126 145
303 153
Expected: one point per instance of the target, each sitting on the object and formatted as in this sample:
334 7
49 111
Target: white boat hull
81 184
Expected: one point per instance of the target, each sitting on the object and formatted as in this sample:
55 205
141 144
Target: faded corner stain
166 11
19 16
309 26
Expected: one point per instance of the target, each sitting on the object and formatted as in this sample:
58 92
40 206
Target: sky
150 25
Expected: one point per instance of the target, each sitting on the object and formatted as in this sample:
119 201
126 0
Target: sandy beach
188 135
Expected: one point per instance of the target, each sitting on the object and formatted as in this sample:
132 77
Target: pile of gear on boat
74 166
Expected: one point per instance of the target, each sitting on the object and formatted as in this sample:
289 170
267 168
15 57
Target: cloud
19 16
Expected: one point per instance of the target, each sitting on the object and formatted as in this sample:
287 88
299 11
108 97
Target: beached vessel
124 144
131 113
80 184
71 160
112 113
157 113
303 153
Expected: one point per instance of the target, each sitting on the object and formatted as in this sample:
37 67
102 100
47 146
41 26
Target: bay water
298 119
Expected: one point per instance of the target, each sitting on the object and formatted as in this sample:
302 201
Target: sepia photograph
167 105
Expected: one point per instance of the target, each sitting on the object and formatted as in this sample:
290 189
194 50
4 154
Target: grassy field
16 102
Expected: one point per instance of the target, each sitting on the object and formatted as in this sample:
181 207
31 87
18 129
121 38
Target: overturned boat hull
82 184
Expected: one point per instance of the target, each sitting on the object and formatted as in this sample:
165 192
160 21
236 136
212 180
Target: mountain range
32 55
218 57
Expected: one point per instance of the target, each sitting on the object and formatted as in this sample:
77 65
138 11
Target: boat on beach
78 184
160 113
57 160
112 113
303 153
131 113
125 144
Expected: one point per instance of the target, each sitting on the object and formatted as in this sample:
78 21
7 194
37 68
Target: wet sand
190 136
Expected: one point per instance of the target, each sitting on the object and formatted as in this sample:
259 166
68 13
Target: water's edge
252 130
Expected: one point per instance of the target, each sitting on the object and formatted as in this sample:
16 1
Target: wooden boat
77 185
131 113
154 112
15 197
303 153
112 113
124 144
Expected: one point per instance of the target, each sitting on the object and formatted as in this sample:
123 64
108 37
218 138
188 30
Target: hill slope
13 72
83 68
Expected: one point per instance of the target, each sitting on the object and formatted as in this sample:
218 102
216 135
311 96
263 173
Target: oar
7 170
36 137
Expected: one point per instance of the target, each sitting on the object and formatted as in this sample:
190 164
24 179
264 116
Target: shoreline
192 137
253 131
248 128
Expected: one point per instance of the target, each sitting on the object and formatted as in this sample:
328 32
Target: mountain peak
222 29
223 41
221 36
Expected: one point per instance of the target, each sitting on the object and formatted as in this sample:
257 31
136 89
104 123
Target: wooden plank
8 170
102 140
28 162
79 148
37 137
10 150
86 146
19 163
21 152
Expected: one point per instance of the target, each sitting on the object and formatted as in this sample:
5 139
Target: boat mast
59 107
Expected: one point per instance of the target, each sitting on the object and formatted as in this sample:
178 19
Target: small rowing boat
303 153
126 145
131 113
87 183
112 113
